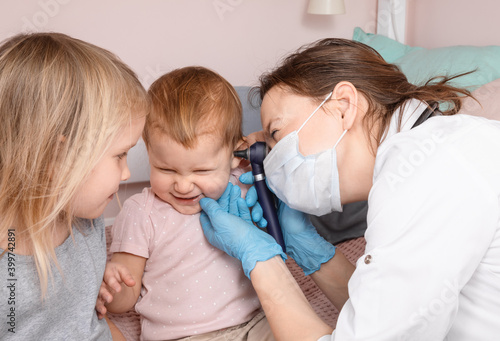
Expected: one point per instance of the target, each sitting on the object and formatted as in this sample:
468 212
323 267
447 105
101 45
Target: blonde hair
191 101
62 101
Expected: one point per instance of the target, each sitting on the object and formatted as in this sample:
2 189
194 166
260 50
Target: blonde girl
69 112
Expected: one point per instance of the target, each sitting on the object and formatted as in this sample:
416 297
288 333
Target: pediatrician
346 126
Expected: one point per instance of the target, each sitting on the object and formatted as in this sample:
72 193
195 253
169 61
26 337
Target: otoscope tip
241 153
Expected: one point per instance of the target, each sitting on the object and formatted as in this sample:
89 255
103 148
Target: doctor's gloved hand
228 226
251 200
302 241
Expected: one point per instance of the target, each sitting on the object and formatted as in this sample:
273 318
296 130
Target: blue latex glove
251 200
302 241
228 226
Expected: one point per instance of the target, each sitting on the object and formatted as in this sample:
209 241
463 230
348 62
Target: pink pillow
488 97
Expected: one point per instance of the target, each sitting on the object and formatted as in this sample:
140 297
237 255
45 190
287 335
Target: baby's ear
237 161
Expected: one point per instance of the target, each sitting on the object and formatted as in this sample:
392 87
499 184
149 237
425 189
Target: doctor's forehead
280 103
274 103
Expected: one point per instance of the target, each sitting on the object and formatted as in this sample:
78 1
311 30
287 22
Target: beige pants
257 329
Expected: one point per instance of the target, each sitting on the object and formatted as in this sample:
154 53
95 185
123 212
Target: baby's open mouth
189 200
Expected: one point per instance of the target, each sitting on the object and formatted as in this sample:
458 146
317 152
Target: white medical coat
431 269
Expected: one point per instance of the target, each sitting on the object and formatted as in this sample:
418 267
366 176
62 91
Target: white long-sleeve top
431 268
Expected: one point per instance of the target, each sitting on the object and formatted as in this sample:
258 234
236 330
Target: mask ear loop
326 99
340 138
319 107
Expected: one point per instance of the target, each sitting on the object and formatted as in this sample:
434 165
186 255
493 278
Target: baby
183 286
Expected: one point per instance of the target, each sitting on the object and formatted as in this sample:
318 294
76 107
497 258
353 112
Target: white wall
240 39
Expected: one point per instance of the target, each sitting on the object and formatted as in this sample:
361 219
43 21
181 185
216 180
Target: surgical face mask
306 183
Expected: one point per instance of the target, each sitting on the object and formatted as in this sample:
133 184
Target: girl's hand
99 305
115 275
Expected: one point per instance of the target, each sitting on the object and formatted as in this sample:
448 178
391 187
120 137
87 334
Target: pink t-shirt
189 287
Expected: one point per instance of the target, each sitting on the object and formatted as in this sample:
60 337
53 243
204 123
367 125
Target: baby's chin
188 210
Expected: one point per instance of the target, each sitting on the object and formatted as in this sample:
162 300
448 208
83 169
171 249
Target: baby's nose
184 185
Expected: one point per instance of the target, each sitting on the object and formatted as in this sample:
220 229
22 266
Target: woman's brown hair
314 70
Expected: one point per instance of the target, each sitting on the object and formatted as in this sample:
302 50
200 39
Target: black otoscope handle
256 155
266 200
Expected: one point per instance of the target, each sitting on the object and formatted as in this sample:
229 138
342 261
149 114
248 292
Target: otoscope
256 154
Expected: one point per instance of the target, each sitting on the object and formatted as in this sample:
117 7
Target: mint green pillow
420 64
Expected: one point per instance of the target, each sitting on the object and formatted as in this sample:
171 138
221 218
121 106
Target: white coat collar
412 110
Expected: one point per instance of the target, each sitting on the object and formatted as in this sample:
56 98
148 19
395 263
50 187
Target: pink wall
435 23
238 38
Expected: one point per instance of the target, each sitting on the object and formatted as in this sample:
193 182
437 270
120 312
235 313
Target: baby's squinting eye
165 170
202 171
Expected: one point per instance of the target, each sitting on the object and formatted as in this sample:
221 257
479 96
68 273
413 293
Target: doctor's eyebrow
267 131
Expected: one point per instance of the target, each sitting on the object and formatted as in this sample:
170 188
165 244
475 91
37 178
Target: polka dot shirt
189 287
